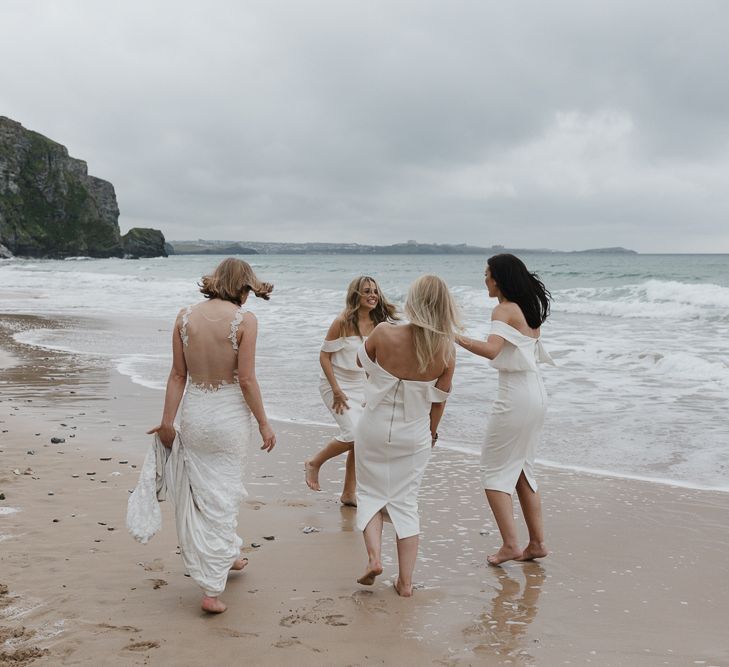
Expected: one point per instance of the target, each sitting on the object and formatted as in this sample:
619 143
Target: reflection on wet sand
502 630
44 376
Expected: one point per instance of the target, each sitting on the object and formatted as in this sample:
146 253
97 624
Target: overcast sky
553 124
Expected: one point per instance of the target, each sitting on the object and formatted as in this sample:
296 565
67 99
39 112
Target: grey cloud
383 121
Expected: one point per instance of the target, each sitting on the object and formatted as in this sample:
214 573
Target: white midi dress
517 414
203 471
393 445
351 380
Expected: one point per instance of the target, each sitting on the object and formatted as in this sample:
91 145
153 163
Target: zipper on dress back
392 417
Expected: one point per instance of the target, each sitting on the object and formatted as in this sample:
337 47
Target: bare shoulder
249 319
335 328
504 312
385 330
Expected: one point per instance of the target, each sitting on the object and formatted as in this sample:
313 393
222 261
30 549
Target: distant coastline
206 247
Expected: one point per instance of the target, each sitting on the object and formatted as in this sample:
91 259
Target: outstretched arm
175 389
249 383
489 348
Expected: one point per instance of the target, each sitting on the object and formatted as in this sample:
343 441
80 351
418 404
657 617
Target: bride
213 351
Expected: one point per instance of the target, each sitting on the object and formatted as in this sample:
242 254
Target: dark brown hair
521 287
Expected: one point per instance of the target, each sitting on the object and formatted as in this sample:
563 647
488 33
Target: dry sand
638 573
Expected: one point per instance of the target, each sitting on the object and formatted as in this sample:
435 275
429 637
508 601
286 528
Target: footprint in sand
286 643
157 583
157 565
124 628
336 620
229 632
296 503
141 646
367 601
17 634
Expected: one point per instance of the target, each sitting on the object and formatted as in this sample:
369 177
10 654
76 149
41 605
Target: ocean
641 342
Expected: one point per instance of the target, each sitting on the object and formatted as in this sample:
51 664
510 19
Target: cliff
49 205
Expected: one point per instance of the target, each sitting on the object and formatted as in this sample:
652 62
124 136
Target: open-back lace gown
203 472
215 429
393 444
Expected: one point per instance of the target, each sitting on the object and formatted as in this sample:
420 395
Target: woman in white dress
409 370
213 375
514 348
341 382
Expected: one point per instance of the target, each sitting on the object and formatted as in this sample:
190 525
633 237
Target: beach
637 573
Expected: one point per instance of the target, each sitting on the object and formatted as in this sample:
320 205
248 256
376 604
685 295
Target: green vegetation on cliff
49 205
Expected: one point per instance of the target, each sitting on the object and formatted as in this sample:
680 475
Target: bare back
511 313
210 333
394 351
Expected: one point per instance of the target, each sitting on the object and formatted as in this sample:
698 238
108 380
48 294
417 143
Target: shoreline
8 359
620 586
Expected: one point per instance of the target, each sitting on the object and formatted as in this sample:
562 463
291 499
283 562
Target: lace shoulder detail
235 323
183 328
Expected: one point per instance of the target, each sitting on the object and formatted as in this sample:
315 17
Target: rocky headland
50 207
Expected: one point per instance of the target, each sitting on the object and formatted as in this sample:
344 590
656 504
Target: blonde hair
434 316
231 279
383 312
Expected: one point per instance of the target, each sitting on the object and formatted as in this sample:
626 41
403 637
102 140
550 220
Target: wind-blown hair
431 310
383 312
231 279
521 287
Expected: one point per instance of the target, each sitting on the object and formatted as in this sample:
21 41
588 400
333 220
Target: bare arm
339 403
437 409
175 389
249 383
491 347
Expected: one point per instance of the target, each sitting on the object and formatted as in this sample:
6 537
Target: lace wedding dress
203 471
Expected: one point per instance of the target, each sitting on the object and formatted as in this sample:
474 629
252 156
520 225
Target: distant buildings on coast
410 247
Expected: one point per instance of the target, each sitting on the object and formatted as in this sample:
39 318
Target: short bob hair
232 279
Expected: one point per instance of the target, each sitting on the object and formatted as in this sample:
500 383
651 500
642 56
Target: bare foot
312 476
374 570
403 591
534 550
239 564
348 500
212 605
504 554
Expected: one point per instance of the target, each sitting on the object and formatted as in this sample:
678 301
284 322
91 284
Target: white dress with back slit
392 445
517 414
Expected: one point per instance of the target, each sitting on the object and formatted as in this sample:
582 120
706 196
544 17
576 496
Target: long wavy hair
431 310
231 279
383 312
521 287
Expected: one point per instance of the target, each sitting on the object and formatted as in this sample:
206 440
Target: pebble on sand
57 441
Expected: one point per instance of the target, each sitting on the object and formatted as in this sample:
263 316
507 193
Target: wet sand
637 574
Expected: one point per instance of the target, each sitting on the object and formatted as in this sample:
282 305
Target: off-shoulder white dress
393 444
517 414
351 379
